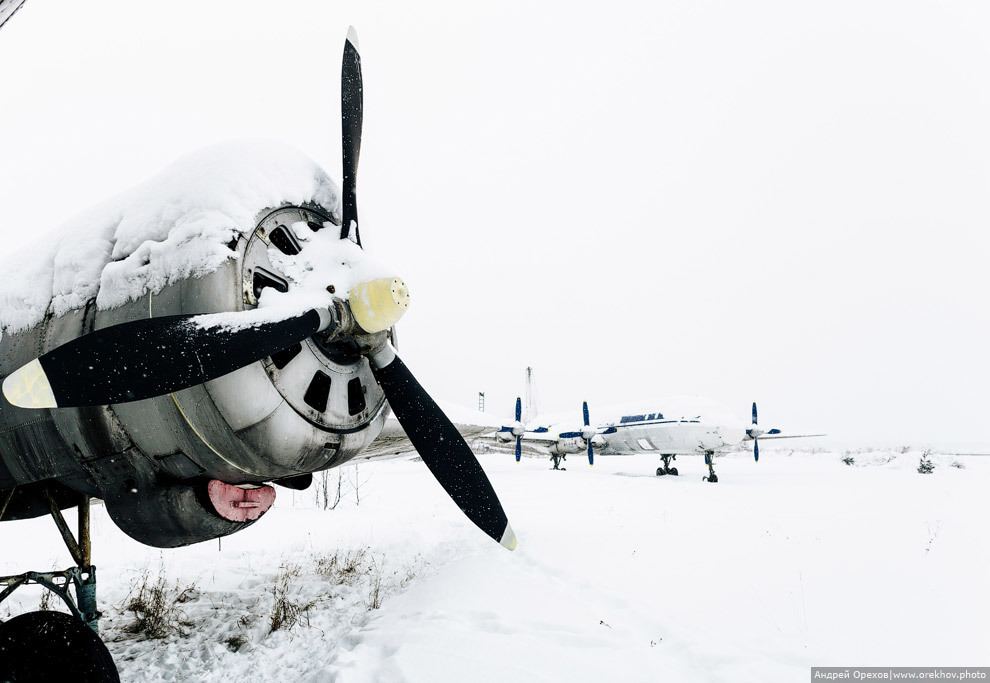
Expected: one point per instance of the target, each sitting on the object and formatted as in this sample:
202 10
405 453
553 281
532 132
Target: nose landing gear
667 469
557 459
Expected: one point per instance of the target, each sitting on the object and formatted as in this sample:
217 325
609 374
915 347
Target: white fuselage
689 427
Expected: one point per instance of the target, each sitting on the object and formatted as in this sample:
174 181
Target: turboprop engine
311 406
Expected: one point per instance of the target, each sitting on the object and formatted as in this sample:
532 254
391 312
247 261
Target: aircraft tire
53 646
660 472
673 471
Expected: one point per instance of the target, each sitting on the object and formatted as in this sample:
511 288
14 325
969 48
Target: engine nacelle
568 446
309 407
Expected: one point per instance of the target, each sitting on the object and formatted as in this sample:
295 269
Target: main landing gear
667 469
709 460
54 646
557 459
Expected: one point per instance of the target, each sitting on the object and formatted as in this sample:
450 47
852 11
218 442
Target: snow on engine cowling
309 407
568 445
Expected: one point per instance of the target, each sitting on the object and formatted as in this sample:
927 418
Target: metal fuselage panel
665 438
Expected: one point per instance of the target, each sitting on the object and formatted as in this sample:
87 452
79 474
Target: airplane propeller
755 433
587 433
351 120
517 429
146 358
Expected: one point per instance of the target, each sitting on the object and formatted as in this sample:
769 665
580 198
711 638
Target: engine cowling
309 407
569 445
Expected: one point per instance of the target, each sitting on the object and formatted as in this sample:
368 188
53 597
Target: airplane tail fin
531 410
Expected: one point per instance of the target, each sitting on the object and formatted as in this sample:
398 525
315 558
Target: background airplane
667 428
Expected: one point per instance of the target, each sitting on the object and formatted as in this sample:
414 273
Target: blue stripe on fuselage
654 422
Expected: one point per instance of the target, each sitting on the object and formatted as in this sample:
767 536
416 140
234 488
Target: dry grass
155 607
287 611
235 642
342 566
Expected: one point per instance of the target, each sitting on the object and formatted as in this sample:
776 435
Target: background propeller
754 432
517 429
587 433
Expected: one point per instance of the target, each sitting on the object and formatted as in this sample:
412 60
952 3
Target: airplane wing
393 442
777 434
542 435
8 8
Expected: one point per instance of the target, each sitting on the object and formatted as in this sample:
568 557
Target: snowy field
795 561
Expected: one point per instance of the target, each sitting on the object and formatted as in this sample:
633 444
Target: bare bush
328 490
377 588
382 584
46 601
287 611
156 607
342 566
356 481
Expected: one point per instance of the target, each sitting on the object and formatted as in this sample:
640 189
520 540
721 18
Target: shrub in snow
849 460
156 607
343 566
925 465
287 611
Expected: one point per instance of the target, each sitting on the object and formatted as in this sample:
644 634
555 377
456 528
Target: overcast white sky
762 200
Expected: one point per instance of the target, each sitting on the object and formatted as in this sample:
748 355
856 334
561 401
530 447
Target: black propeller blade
146 358
442 447
351 118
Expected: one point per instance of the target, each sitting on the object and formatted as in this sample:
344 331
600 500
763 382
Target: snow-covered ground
795 561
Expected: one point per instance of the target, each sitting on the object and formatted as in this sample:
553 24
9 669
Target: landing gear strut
557 459
54 645
709 460
667 469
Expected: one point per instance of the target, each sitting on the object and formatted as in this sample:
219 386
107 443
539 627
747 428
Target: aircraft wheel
53 646
660 472
673 471
713 478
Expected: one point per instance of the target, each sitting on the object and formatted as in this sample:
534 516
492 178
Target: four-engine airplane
212 332
685 426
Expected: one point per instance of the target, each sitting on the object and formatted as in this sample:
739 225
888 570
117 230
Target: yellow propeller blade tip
28 387
508 537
